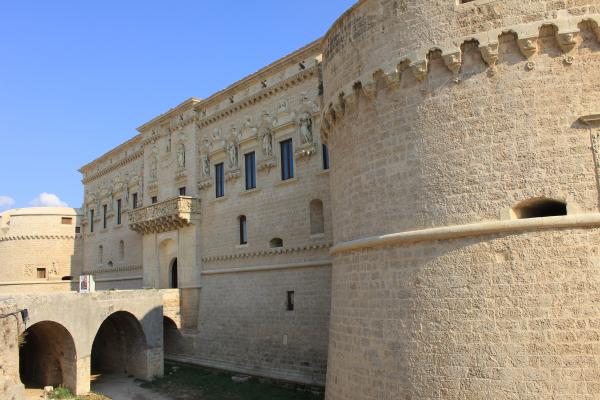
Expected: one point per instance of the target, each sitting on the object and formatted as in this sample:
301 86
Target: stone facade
40 249
452 254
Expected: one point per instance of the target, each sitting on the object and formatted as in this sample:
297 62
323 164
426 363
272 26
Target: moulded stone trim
307 264
469 230
260 253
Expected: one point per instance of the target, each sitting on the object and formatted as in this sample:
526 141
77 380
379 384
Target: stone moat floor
182 382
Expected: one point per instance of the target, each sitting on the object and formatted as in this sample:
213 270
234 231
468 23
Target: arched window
243 229
100 254
121 250
539 207
173 278
276 242
317 221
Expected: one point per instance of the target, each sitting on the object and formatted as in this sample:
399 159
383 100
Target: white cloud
6 201
48 200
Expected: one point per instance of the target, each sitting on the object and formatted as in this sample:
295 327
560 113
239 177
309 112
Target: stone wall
43 239
10 329
445 115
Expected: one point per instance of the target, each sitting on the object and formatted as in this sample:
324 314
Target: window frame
243 226
219 180
250 170
104 216
119 210
326 164
286 149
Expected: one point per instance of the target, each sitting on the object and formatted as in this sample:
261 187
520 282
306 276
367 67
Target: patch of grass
62 393
187 382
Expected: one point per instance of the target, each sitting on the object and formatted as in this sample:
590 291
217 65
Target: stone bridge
71 336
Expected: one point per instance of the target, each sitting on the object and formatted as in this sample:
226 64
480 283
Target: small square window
154 199
182 191
41 273
77 229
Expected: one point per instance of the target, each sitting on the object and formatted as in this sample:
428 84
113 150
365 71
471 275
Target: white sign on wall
87 284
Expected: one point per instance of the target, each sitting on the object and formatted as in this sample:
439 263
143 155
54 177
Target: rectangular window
135 200
287 160
250 171
66 221
104 216
325 157
41 273
219 180
91 221
182 191
77 229
119 208
290 301
154 199
243 230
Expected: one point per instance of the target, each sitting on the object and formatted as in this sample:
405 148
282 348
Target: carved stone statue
153 168
232 153
283 107
305 126
205 166
110 200
181 155
265 136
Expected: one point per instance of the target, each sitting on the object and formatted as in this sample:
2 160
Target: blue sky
77 77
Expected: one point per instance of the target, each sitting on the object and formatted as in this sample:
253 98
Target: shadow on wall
123 345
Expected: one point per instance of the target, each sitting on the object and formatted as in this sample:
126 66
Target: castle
406 208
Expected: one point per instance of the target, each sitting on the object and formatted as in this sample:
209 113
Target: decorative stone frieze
165 216
268 252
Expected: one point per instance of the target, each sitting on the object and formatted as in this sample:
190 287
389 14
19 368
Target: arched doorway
173 279
48 357
120 347
171 337
167 259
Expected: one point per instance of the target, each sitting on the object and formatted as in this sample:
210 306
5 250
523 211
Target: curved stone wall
444 115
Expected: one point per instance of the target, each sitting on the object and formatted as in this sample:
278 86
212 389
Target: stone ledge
274 251
307 264
469 230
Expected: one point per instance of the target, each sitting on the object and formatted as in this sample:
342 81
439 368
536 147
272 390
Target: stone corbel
419 69
489 53
232 174
204 183
528 46
566 40
454 62
339 107
369 89
350 101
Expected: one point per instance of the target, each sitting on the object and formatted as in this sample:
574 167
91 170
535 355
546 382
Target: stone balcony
168 215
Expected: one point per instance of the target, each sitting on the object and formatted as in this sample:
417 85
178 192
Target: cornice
259 96
417 62
269 252
576 221
164 117
129 159
108 270
39 237
106 156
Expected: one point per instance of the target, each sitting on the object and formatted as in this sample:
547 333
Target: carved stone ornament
419 69
369 89
566 41
489 53
265 135
454 62
181 155
528 46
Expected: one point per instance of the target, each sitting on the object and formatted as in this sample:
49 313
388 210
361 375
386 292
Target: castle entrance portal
47 356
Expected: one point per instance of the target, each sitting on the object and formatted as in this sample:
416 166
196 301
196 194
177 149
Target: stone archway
172 338
173 276
120 347
48 357
167 251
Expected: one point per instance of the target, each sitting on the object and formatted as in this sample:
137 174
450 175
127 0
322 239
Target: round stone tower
465 144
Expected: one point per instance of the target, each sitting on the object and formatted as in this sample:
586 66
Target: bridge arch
120 346
48 357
